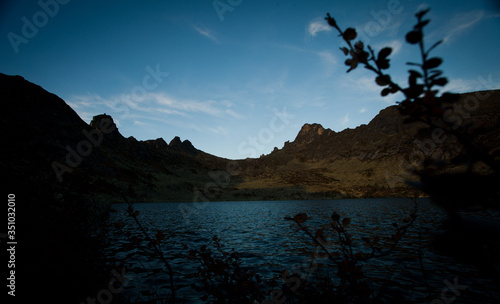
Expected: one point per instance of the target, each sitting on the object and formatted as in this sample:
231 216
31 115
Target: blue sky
235 77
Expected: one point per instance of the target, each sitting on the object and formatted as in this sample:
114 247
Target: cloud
124 106
480 83
327 57
366 87
363 110
460 23
318 26
218 130
140 123
206 33
346 120
169 102
234 114
396 46
328 60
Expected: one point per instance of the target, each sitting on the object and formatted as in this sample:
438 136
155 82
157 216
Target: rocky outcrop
95 160
182 146
311 132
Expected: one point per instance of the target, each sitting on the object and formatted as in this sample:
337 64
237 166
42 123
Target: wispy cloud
154 104
460 23
363 110
328 60
140 123
396 46
346 120
317 26
366 86
186 106
206 33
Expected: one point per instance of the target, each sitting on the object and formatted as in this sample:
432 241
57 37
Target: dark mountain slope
50 146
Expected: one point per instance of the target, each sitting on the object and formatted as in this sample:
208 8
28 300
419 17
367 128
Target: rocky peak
158 143
182 146
176 142
310 132
103 122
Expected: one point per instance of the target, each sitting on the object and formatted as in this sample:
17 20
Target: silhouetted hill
50 145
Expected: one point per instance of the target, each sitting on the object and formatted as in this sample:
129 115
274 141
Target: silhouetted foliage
224 278
422 99
423 102
338 244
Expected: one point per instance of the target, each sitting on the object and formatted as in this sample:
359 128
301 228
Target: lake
270 244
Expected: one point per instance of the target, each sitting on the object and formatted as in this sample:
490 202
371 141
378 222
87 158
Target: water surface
270 244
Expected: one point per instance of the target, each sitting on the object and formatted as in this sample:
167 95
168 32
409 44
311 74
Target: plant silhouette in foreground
341 278
422 100
344 254
224 279
470 176
148 246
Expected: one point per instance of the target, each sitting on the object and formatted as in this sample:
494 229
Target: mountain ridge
96 161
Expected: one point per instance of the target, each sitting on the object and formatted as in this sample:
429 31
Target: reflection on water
271 244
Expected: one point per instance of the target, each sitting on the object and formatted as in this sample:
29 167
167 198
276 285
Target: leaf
383 64
345 50
366 240
359 45
413 63
353 63
362 56
414 37
414 91
350 34
384 53
435 73
330 20
421 13
385 92
335 216
415 73
320 235
346 221
159 235
383 80
440 81
433 46
432 63
300 218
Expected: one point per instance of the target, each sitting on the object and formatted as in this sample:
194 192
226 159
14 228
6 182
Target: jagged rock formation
48 142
